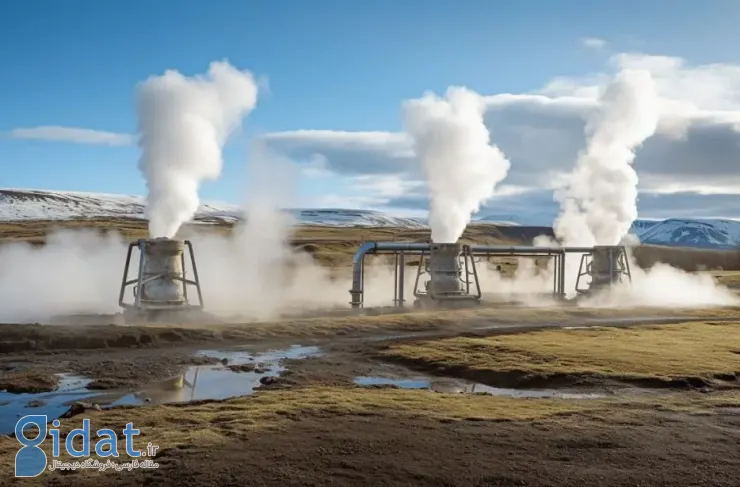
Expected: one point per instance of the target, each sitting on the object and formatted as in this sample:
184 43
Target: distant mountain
512 220
641 226
698 233
23 204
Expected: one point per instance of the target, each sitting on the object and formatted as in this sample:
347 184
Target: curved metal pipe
359 258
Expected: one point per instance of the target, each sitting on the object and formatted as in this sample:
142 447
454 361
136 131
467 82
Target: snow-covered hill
639 227
701 233
22 204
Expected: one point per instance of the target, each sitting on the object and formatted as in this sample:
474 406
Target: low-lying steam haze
462 167
183 126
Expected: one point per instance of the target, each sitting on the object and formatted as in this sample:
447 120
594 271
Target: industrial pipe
501 250
579 250
358 260
557 252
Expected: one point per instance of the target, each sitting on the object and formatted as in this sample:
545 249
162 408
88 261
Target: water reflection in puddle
462 387
13 406
237 357
218 381
196 383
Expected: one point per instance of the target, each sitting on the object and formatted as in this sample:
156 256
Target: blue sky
331 64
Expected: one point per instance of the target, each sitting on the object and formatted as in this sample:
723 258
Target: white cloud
316 167
695 153
70 134
373 191
593 42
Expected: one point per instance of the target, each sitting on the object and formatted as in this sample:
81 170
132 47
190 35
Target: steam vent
445 271
162 272
160 287
451 272
606 266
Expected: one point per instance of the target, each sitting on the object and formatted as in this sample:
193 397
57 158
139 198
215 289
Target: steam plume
183 125
461 166
599 203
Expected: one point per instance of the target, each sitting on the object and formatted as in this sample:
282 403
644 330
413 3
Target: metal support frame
139 281
402 250
554 253
585 266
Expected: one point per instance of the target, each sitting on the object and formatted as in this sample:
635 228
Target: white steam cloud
461 166
183 126
252 274
599 203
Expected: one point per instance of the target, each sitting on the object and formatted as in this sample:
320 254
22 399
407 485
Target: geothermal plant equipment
605 265
453 276
160 288
451 270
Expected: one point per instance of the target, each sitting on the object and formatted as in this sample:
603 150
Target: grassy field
215 423
334 246
730 279
702 350
214 426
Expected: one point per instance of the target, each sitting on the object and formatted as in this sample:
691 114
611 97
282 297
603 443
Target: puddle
13 406
196 383
201 382
463 387
237 357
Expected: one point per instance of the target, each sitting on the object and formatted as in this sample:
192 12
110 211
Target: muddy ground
116 356
642 445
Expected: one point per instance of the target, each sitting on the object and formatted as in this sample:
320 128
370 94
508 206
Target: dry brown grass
730 279
216 423
463 318
330 246
687 259
173 426
701 349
